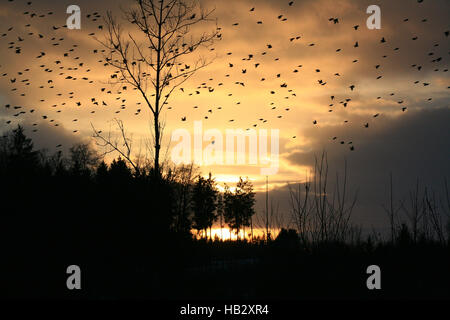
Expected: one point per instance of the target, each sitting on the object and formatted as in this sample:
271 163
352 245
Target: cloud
415 145
48 137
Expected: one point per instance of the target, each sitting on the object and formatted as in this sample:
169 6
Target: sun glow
225 234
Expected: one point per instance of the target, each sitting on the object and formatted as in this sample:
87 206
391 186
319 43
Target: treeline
124 224
176 201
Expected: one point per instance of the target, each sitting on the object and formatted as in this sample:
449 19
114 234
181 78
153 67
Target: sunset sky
409 137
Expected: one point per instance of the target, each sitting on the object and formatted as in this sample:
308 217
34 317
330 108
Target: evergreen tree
239 205
21 153
204 198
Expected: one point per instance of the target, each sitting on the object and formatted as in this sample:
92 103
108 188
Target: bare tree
446 207
321 215
392 210
120 143
432 205
83 158
321 194
341 212
261 221
278 219
425 211
415 212
153 60
300 209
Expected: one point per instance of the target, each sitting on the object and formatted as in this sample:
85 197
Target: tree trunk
157 145
158 93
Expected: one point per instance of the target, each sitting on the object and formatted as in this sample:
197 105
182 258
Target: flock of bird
59 69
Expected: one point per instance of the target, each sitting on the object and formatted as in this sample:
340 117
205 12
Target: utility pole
267 209
251 226
221 227
392 210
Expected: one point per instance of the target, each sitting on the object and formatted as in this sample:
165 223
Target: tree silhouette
83 158
239 205
182 181
18 152
156 66
220 211
102 173
204 198
120 171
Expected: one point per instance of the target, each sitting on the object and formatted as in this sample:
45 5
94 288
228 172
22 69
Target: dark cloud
415 145
48 137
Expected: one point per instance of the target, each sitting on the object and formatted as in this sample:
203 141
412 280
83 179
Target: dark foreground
210 271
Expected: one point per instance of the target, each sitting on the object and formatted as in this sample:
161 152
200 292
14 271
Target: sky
292 47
